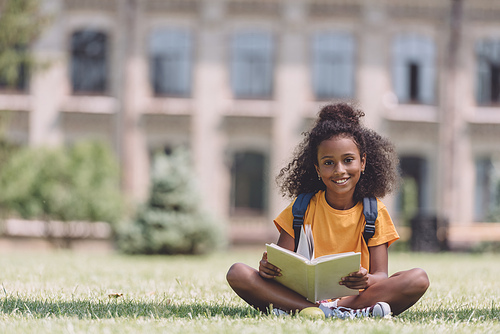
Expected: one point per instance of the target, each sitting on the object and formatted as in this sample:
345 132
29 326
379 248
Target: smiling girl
342 162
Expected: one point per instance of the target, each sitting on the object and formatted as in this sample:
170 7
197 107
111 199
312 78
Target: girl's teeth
341 181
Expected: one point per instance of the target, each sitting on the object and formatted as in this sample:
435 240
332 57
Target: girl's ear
317 169
363 162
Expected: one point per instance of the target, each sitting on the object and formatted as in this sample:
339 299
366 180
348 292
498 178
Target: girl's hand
356 280
267 270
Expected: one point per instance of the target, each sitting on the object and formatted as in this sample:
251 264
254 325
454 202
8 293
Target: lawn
64 292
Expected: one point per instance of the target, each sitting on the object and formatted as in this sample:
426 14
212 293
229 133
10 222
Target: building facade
238 81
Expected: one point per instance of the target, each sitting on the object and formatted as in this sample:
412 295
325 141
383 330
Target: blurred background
221 91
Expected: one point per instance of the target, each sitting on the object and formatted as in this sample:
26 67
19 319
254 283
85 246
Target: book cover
315 279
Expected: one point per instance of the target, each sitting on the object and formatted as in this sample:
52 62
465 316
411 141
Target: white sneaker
280 313
379 310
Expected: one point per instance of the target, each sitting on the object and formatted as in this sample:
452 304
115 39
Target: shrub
172 221
77 183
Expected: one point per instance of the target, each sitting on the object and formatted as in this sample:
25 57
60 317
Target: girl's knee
236 274
419 278
232 273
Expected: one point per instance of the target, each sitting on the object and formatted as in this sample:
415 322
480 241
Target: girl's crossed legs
400 291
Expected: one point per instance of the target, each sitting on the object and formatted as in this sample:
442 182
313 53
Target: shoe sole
381 310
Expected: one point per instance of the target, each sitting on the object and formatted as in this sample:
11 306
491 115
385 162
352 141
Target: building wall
216 125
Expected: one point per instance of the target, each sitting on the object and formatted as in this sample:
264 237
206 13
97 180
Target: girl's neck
340 202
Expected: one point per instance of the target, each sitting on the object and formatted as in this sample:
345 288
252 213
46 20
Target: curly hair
381 175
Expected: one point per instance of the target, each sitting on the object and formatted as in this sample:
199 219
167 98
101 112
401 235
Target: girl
342 161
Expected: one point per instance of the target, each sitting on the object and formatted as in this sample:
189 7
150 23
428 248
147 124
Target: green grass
63 292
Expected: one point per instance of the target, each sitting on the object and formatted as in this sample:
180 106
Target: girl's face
339 167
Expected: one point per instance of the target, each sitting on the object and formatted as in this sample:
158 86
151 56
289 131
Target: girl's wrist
369 281
374 278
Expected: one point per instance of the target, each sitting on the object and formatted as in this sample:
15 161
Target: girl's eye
328 163
349 159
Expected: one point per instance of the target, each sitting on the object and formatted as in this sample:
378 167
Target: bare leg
400 291
260 292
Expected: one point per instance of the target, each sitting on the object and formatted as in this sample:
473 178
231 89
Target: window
170 63
488 74
252 65
413 73
14 75
487 196
89 69
413 81
248 184
333 65
413 193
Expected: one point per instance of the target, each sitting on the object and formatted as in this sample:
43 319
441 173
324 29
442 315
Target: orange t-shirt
338 231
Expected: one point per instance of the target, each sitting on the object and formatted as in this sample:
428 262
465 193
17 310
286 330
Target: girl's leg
400 291
260 292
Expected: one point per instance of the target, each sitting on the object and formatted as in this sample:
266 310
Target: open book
316 279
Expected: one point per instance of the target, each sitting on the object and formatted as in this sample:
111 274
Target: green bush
172 221
76 183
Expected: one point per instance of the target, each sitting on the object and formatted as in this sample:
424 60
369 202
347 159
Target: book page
280 249
306 243
293 267
329 273
331 257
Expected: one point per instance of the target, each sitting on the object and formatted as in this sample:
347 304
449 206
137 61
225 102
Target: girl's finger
269 268
271 271
354 281
354 285
357 287
267 273
357 274
264 275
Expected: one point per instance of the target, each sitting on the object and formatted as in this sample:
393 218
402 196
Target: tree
21 23
172 221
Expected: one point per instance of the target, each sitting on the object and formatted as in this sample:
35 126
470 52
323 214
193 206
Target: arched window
252 65
170 62
413 194
413 73
89 68
248 183
487 195
333 65
488 71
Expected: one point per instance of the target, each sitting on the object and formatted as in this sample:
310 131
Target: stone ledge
55 229
21 244
475 232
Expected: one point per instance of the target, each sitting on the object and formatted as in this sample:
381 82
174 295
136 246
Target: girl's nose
339 168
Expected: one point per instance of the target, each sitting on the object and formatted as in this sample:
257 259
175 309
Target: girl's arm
286 240
379 263
378 270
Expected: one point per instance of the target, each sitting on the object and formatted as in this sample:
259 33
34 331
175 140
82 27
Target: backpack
299 208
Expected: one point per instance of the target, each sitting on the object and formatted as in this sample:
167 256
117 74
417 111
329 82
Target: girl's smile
339 167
